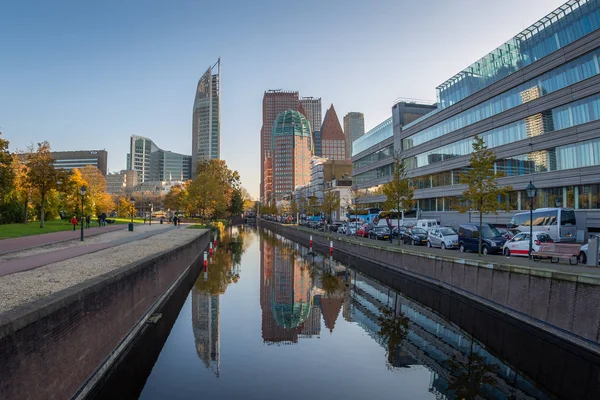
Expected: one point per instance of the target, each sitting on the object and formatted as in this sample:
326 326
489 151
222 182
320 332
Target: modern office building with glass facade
206 119
535 100
154 164
291 153
372 153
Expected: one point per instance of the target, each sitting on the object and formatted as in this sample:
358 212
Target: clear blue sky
87 75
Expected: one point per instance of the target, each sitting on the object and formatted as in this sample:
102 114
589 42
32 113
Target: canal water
271 320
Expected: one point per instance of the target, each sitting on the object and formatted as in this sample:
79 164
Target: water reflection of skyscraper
286 295
206 326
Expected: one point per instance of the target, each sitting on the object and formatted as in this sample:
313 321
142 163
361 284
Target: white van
559 223
427 224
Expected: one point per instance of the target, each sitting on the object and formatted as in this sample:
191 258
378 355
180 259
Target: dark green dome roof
290 122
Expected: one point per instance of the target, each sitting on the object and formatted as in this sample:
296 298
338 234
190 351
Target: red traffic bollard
331 248
310 242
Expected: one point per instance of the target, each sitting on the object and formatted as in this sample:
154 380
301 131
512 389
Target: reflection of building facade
286 296
206 326
206 120
431 340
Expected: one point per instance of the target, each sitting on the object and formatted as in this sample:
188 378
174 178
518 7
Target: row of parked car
494 240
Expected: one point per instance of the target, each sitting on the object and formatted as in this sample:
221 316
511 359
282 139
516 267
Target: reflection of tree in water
332 285
221 272
469 376
394 329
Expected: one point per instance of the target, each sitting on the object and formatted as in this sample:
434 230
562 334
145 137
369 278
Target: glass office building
154 164
292 151
372 153
535 101
206 120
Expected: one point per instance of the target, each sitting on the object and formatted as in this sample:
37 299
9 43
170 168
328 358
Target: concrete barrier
51 347
564 304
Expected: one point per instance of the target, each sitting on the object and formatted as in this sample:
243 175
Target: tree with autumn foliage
97 200
210 194
42 176
482 193
399 190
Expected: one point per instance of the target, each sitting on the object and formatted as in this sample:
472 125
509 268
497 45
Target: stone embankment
61 322
559 299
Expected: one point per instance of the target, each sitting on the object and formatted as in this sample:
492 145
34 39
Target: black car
395 231
335 226
415 236
379 233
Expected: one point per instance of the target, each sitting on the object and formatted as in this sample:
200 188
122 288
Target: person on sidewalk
74 222
175 220
103 216
88 219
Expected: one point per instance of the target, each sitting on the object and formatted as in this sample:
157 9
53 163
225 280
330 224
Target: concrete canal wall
564 304
51 347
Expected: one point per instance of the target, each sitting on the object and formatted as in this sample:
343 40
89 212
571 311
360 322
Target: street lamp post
82 193
132 201
531 189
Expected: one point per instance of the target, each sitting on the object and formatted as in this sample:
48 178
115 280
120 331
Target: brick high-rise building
333 140
291 153
354 127
274 103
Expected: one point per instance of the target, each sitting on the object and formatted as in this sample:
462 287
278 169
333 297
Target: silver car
444 237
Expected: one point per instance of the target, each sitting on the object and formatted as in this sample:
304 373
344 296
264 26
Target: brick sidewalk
492 258
28 242
39 260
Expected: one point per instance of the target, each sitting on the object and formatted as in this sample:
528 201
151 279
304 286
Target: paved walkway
28 242
546 265
38 260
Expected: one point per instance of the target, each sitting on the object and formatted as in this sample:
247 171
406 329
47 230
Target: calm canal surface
271 321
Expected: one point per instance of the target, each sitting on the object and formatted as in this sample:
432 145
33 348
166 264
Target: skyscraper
312 106
333 141
274 102
206 120
354 127
291 153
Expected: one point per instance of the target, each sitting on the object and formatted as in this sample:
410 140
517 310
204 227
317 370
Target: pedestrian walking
74 222
88 219
175 220
390 227
103 217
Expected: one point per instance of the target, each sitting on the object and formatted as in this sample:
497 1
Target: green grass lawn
33 228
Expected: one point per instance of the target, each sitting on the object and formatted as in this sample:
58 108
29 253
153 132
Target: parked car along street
468 238
444 237
519 244
414 236
379 233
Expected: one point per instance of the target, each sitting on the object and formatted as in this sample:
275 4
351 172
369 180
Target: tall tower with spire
206 117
